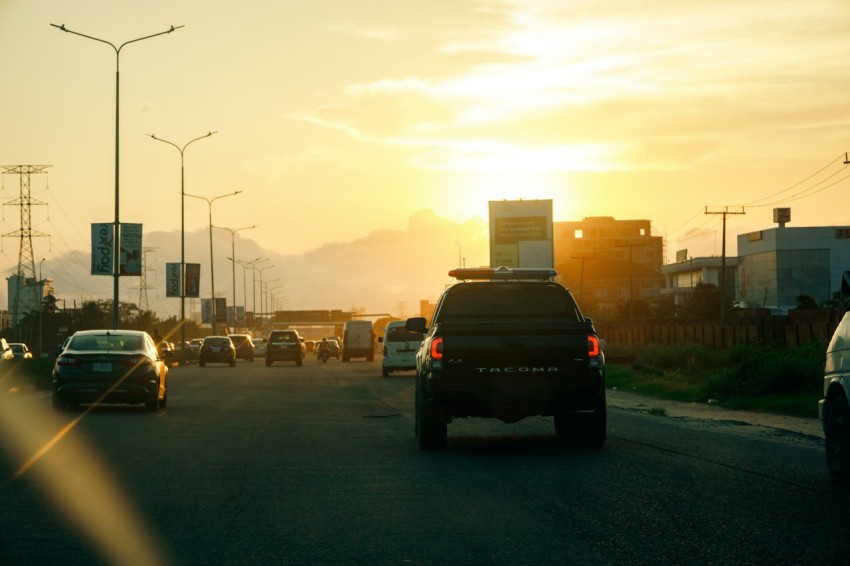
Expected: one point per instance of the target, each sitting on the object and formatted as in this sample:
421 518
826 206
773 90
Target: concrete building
25 295
682 277
605 262
777 265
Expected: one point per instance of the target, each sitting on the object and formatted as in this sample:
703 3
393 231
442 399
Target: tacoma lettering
522 369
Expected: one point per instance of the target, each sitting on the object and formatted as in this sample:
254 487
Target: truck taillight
593 346
437 349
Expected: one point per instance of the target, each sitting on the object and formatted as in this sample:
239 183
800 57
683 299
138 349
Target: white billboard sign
521 233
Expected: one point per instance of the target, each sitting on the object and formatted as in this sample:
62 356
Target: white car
399 347
260 347
834 408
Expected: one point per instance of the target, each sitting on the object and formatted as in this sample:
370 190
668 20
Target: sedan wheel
837 433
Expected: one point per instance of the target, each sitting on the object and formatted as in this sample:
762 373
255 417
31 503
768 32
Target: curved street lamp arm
117 49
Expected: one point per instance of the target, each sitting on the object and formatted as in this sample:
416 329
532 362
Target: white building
26 295
777 265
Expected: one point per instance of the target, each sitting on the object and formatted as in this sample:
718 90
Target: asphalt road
318 465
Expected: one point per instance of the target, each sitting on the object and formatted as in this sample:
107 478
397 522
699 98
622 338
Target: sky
340 121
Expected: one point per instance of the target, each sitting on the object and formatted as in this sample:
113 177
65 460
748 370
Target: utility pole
26 261
725 212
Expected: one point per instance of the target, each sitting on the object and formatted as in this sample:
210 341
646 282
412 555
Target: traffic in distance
502 343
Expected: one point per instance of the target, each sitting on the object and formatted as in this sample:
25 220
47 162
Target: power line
798 183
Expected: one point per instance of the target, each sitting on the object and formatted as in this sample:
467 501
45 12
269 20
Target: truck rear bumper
514 399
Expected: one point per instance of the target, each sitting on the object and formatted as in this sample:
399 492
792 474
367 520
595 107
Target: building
26 295
777 265
682 277
605 262
773 268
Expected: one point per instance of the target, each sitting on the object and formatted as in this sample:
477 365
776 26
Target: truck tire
837 440
431 425
583 430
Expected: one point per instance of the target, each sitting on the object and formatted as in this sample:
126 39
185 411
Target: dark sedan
217 349
110 366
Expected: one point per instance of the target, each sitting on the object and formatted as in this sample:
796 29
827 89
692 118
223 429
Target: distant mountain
387 271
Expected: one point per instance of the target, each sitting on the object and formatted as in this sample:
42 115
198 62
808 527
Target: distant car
5 350
217 349
333 348
834 408
244 346
399 347
283 346
310 346
195 345
260 347
110 366
20 351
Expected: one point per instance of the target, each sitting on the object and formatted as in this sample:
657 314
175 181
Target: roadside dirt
746 422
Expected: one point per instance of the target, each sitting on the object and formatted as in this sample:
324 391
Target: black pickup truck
509 344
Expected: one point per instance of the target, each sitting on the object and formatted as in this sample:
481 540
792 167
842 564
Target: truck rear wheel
431 426
583 430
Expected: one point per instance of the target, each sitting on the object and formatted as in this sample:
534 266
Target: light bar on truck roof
502 273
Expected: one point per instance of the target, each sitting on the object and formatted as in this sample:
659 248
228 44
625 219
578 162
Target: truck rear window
508 300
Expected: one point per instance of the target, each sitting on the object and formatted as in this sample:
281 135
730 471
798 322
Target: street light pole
40 308
267 293
261 290
209 202
233 254
245 265
182 231
116 244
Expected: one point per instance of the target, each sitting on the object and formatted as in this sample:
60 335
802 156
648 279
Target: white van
400 346
834 408
358 340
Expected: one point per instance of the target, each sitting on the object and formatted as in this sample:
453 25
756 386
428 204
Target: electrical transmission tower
26 260
143 283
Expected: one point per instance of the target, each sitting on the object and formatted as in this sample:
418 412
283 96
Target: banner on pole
173 280
193 280
131 249
102 248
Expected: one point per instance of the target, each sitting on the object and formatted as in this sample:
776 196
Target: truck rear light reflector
593 346
437 349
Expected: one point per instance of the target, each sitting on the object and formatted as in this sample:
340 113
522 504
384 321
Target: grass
777 380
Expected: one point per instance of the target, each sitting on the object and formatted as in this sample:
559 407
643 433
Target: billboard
220 310
102 248
131 250
521 233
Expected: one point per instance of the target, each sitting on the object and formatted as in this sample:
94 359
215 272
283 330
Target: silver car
834 408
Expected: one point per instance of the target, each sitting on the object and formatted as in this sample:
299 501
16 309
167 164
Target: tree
704 304
805 302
